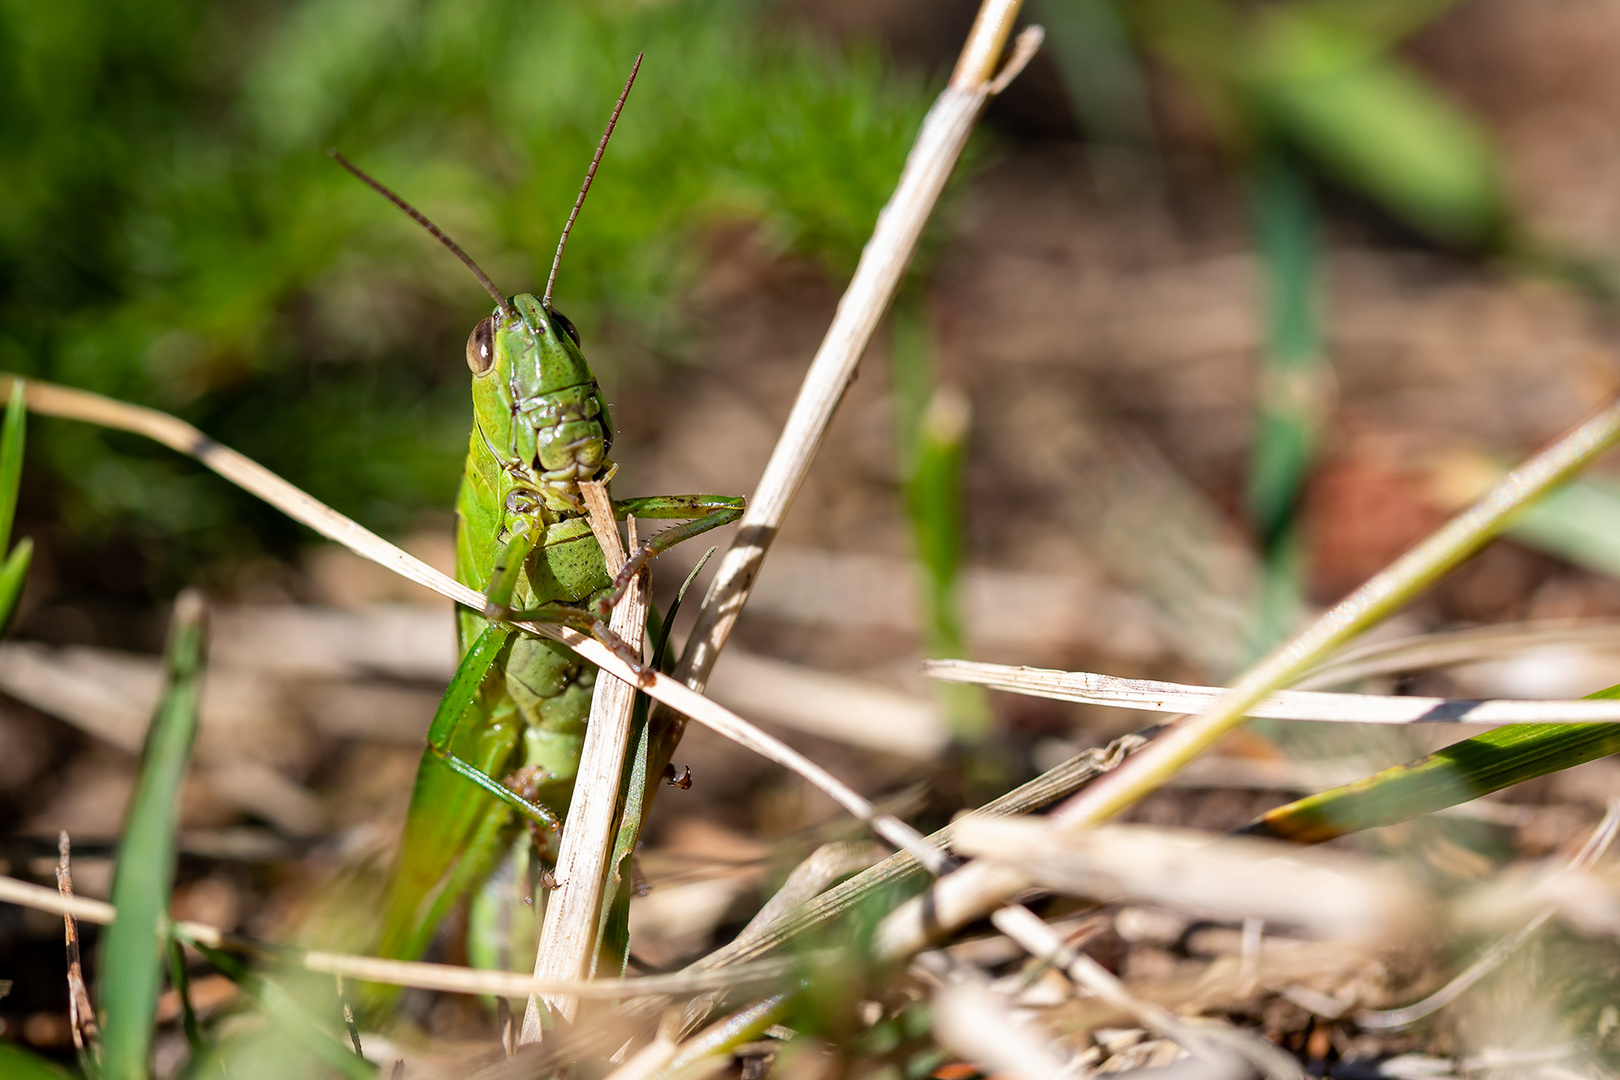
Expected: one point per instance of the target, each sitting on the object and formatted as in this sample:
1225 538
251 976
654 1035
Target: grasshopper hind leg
534 812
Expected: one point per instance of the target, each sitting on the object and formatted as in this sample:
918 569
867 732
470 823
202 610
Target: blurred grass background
172 233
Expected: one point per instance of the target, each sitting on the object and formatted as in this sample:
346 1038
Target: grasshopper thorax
537 407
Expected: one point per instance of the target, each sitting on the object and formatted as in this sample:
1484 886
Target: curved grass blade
13 576
12 434
14 571
1378 125
1461 772
134 952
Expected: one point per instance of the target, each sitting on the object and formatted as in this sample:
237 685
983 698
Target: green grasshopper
516 709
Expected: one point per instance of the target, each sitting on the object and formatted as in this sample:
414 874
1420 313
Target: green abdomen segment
551 688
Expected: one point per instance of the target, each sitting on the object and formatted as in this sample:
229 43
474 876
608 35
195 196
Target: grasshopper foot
624 651
602 607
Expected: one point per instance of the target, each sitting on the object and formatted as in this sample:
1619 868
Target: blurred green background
172 232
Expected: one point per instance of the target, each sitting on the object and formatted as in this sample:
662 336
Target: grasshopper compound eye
567 327
481 346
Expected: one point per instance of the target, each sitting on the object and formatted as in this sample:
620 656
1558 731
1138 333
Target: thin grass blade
13 576
1461 772
180 979
14 571
12 438
134 953
1091 47
931 429
613 934
1290 395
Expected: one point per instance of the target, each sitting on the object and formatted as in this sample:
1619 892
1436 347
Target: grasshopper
517 707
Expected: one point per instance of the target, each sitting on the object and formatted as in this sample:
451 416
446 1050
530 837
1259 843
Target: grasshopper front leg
705 512
591 618
587 618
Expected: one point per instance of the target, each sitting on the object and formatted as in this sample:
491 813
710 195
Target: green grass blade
1097 61
1383 23
12 438
1378 125
931 427
133 954
13 576
613 929
1459 773
1290 394
19 1064
180 978
1579 522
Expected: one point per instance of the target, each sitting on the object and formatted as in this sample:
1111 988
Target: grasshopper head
537 404
529 351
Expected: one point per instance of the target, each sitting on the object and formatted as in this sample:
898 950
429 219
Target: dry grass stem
882 264
26 894
648 1061
976 65
826 865
52 400
831 706
255 478
599 512
740 1027
1039 940
978 1025
1450 648
443 977
567 948
1168 697
81 1013
515 985
900 867
1325 893
979 888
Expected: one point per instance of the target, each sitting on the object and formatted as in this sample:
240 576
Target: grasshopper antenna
590 174
438 233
